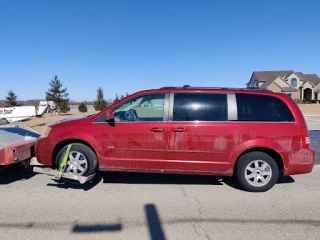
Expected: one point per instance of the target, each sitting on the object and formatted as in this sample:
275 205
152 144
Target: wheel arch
65 142
272 153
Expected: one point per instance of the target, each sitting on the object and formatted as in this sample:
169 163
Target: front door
200 135
137 140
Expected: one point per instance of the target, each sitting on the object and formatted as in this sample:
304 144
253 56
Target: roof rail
225 88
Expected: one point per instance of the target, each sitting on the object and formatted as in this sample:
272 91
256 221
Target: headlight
45 132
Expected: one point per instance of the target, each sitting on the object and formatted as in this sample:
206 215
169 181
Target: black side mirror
109 116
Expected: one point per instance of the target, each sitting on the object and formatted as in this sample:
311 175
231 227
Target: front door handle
156 130
178 130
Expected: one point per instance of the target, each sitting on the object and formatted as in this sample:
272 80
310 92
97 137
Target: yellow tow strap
64 162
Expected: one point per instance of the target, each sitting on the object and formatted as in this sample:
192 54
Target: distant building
298 85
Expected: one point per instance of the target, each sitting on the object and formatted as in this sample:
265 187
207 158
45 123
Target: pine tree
12 100
100 103
127 94
121 96
58 95
116 99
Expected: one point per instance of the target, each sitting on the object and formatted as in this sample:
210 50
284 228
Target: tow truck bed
16 144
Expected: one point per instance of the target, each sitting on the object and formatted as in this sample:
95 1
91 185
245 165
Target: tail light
305 137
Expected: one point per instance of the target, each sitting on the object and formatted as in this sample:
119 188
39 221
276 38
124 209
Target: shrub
82 107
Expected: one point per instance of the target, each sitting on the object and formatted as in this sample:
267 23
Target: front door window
146 108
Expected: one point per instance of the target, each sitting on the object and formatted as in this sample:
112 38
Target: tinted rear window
200 106
260 108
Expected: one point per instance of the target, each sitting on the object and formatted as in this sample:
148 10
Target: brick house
298 85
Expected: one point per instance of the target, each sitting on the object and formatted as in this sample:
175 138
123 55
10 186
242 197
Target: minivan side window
145 108
262 108
200 106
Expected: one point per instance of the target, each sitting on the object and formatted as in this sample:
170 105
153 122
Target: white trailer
14 114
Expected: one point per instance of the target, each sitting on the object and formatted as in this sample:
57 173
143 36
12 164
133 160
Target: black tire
85 153
254 175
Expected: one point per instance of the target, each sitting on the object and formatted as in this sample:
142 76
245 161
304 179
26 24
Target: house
298 85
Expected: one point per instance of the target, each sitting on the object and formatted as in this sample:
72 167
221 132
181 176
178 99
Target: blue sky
130 45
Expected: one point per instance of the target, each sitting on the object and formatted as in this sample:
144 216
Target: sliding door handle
178 130
156 129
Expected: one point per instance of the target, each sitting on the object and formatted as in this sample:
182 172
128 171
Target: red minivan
255 135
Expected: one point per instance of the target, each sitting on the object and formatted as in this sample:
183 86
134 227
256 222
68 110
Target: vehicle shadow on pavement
285 179
11 175
154 178
231 182
158 178
137 178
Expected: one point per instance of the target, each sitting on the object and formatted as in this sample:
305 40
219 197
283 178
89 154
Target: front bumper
43 151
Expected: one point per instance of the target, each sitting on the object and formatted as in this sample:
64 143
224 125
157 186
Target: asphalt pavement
158 207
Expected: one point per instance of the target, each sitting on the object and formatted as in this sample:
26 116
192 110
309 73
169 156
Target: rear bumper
43 152
300 162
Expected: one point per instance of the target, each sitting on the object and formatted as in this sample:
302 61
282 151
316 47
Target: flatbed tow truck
17 144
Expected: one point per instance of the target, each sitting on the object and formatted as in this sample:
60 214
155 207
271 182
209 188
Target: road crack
201 208
183 191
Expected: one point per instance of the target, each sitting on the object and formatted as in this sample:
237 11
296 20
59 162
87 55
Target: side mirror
109 116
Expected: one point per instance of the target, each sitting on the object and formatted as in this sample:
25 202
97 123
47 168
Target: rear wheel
257 171
81 161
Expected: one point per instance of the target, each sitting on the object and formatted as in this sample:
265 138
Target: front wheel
82 160
257 171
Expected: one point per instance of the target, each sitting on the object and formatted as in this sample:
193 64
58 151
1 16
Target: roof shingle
265 75
267 83
313 78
